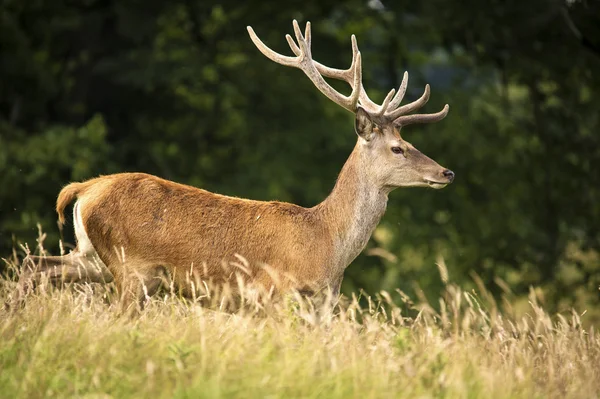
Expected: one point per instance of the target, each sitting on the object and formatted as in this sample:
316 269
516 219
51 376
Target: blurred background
177 89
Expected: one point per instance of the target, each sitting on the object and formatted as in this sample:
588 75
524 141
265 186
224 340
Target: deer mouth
436 184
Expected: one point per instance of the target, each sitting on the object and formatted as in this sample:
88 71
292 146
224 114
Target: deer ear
363 124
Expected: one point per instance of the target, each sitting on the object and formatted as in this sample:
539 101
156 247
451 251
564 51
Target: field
75 343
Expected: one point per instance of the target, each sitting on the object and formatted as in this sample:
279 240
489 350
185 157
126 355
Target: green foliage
34 163
177 89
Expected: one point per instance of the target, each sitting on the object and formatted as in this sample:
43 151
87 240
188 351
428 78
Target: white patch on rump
84 245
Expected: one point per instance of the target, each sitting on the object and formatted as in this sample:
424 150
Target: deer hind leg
72 268
58 271
83 265
137 283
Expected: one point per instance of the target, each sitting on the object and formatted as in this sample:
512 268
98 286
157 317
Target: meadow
74 342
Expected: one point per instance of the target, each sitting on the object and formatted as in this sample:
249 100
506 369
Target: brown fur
155 225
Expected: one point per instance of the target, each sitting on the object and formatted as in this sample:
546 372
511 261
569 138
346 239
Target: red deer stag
142 227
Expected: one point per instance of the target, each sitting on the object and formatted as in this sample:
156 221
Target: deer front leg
136 284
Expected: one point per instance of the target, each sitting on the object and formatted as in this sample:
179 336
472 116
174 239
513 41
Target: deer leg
71 268
58 270
336 286
136 288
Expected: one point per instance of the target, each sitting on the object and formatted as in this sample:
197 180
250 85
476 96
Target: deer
135 228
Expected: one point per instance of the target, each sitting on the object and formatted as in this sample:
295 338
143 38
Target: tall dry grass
75 342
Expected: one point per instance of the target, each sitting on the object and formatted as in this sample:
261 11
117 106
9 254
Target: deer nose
448 174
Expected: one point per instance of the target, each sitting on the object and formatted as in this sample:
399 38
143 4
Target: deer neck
353 209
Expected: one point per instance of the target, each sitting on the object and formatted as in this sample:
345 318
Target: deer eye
397 150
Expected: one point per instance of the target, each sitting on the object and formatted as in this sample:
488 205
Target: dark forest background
177 89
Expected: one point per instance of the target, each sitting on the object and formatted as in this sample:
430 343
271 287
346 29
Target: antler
388 112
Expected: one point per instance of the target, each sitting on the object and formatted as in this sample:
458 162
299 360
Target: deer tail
67 195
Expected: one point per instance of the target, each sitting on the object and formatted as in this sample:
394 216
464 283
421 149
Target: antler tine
405 109
401 92
307 35
364 99
304 61
357 88
386 103
300 39
270 54
293 45
422 118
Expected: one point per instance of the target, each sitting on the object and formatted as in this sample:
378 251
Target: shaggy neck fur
352 210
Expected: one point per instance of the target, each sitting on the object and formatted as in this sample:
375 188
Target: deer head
389 160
